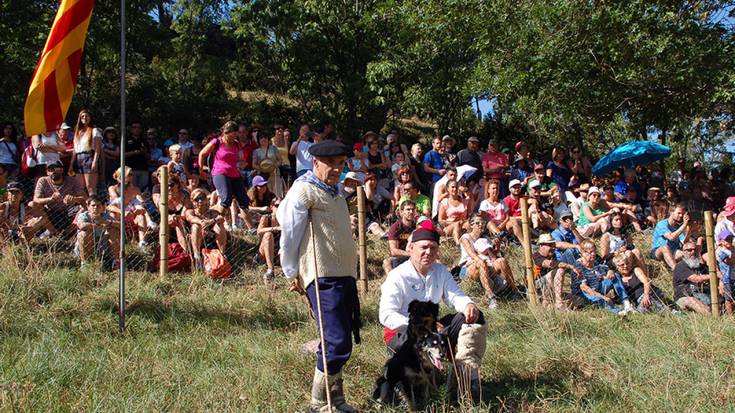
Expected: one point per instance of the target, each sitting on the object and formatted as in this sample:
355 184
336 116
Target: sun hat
545 239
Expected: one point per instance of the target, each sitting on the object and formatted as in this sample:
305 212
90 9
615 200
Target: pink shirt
495 160
225 160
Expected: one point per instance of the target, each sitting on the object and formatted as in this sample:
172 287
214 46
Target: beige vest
336 251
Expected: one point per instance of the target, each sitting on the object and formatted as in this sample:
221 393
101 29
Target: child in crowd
176 166
726 265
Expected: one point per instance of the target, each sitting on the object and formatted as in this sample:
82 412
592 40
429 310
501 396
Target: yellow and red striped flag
57 72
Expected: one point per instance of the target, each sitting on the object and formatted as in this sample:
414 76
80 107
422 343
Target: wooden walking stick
163 227
709 229
361 243
319 314
530 285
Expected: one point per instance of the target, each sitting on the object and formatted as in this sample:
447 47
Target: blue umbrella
631 154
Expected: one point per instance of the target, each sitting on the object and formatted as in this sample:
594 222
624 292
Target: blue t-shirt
434 160
591 276
560 175
564 235
622 188
658 240
725 269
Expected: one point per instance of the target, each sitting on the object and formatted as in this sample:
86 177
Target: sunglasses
689 249
200 199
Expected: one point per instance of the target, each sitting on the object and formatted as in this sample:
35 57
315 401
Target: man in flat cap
329 254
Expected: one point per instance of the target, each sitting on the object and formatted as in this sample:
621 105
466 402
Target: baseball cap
447 138
473 139
355 176
65 126
481 244
55 164
534 184
519 144
513 183
565 213
357 146
14 186
259 181
593 190
538 166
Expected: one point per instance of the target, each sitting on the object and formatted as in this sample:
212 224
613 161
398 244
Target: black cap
14 186
329 148
55 164
493 141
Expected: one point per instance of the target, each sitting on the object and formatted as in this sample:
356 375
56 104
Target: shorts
704 298
84 163
63 219
652 255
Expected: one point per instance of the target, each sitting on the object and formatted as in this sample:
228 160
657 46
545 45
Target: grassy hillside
198 345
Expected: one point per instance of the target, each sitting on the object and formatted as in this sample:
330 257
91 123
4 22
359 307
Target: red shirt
495 160
247 150
514 206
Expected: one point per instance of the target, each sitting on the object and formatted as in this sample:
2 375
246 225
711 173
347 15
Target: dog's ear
412 306
434 307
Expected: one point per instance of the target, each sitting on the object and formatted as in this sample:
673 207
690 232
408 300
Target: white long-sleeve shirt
404 284
291 214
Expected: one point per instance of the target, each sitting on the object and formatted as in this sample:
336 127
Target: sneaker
268 276
45 234
492 303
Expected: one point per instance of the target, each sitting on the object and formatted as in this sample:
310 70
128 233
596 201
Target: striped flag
57 72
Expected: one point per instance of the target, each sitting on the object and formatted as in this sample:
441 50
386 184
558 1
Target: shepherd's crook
319 314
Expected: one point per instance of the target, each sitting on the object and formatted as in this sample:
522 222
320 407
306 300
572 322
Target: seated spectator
669 234
643 294
691 281
398 236
136 217
567 239
423 203
548 186
19 222
581 197
358 162
440 187
558 171
453 212
658 211
540 210
96 233
466 330
618 241
726 218
513 203
403 176
628 206
629 181
60 196
595 281
485 265
593 216
549 272
269 231
492 209
260 196
207 226
521 171
178 202
725 266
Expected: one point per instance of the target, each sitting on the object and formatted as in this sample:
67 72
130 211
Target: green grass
193 344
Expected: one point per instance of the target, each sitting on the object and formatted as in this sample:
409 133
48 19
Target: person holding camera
618 241
567 239
669 234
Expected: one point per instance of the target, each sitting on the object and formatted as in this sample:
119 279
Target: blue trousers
228 187
338 296
605 286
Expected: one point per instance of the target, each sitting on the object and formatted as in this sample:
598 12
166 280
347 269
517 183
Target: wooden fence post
361 242
709 227
163 227
530 285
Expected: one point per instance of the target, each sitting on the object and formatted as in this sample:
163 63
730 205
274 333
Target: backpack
216 264
210 158
178 259
28 160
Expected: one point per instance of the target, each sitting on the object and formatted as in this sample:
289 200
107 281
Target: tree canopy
556 71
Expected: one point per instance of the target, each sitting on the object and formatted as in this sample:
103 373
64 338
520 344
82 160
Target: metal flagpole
121 305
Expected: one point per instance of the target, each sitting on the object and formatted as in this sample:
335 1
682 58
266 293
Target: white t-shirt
494 213
45 158
724 224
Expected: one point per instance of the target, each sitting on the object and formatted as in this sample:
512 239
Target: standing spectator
68 141
60 195
136 156
225 174
96 231
580 165
416 161
557 170
523 150
207 226
48 149
176 168
691 280
677 175
9 153
398 236
186 146
300 149
110 152
248 144
281 141
596 280
266 160
378 163
434 161
668 236
450 158
495 165
470 156
453 212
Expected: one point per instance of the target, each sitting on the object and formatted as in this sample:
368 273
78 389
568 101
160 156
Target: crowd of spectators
232 181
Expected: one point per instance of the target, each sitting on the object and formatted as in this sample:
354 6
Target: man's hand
471 313
646 300
296 287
